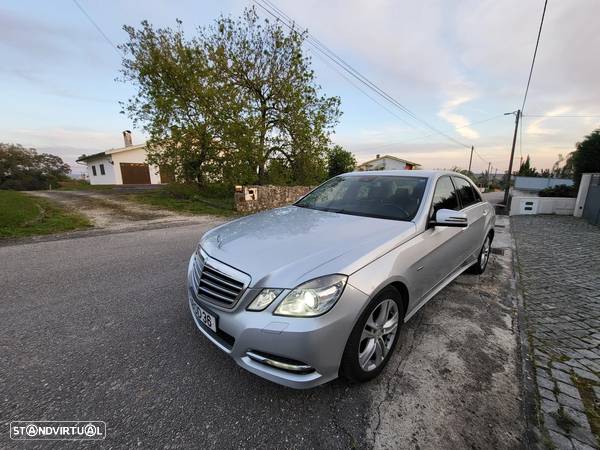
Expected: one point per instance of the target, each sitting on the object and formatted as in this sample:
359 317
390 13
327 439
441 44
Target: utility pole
517 114
488 174
471 158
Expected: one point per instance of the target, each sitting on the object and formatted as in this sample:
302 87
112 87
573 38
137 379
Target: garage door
134 173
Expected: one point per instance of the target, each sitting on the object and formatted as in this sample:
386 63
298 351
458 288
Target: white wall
542 205
385 164
392 164
135 155
108 178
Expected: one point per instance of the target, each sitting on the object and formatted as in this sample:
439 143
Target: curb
532 435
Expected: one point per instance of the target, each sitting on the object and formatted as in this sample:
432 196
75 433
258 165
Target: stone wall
257 198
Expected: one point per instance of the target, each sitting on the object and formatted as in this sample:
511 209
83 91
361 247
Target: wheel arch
401 287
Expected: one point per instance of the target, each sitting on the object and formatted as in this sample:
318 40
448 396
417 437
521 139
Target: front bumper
317 342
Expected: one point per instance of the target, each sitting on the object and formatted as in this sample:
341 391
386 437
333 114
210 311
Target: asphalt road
494 197
98 328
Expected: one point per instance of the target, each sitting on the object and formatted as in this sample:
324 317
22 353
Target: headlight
313 298
264 299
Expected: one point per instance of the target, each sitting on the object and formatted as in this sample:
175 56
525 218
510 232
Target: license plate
205 317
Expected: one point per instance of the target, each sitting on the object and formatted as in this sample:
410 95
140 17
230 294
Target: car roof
404 173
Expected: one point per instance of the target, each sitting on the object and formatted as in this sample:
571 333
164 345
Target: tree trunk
262 152
261 173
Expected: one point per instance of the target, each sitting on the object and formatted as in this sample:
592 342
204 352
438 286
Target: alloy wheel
378 335
485 253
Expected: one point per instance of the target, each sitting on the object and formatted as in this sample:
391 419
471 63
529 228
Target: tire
482 260
369 332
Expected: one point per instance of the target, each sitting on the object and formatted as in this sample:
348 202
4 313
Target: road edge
532 434
11 242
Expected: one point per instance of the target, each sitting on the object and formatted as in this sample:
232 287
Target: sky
452 63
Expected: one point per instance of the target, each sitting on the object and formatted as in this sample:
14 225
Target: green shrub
188 191
181 190
562 190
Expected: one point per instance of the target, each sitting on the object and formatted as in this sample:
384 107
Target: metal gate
135 173
591 210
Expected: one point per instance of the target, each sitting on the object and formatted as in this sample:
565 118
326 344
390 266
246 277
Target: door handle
485 212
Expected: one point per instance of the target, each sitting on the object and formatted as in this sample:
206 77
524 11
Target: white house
387 162
125 165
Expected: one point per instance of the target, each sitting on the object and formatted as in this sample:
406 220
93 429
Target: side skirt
449 279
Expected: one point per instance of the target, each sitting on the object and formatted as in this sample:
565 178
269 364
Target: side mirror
449 218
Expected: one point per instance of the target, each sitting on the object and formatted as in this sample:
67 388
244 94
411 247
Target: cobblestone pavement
559 265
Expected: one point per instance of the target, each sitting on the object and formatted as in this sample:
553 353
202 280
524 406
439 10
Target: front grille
215 286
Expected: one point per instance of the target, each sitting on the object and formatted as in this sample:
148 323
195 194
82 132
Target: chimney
127 138
376 157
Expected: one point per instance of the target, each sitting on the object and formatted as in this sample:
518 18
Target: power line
520 112
340 73
268 7
106 38
550 116
317 45
481 157
537 43
435 134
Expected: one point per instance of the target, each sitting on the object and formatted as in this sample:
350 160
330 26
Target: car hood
284 247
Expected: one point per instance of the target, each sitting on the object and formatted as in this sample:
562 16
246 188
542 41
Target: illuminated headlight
264 299
313 298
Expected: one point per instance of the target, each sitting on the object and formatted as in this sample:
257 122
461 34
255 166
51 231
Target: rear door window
467 193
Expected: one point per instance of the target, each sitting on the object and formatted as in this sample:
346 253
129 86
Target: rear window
467 193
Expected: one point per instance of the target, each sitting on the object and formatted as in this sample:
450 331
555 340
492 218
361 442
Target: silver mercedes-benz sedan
304 293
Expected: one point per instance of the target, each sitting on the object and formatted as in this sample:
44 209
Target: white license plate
205 317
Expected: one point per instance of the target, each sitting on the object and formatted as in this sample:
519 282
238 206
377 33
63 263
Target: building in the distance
125 165
387 162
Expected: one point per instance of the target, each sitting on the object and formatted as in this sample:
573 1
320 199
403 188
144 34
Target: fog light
279 362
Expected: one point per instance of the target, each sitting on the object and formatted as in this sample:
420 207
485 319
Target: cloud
41 39
535 127
399 45
458 121
450 63
64 137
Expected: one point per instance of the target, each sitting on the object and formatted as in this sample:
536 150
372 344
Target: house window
94 170
102 169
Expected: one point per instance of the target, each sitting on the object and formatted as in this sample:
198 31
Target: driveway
559 262
98 328
113 212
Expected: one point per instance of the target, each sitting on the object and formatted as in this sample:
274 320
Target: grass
23 215
564 421
81 185
590 403
188 199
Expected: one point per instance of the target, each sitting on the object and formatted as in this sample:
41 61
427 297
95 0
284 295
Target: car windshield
381 196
